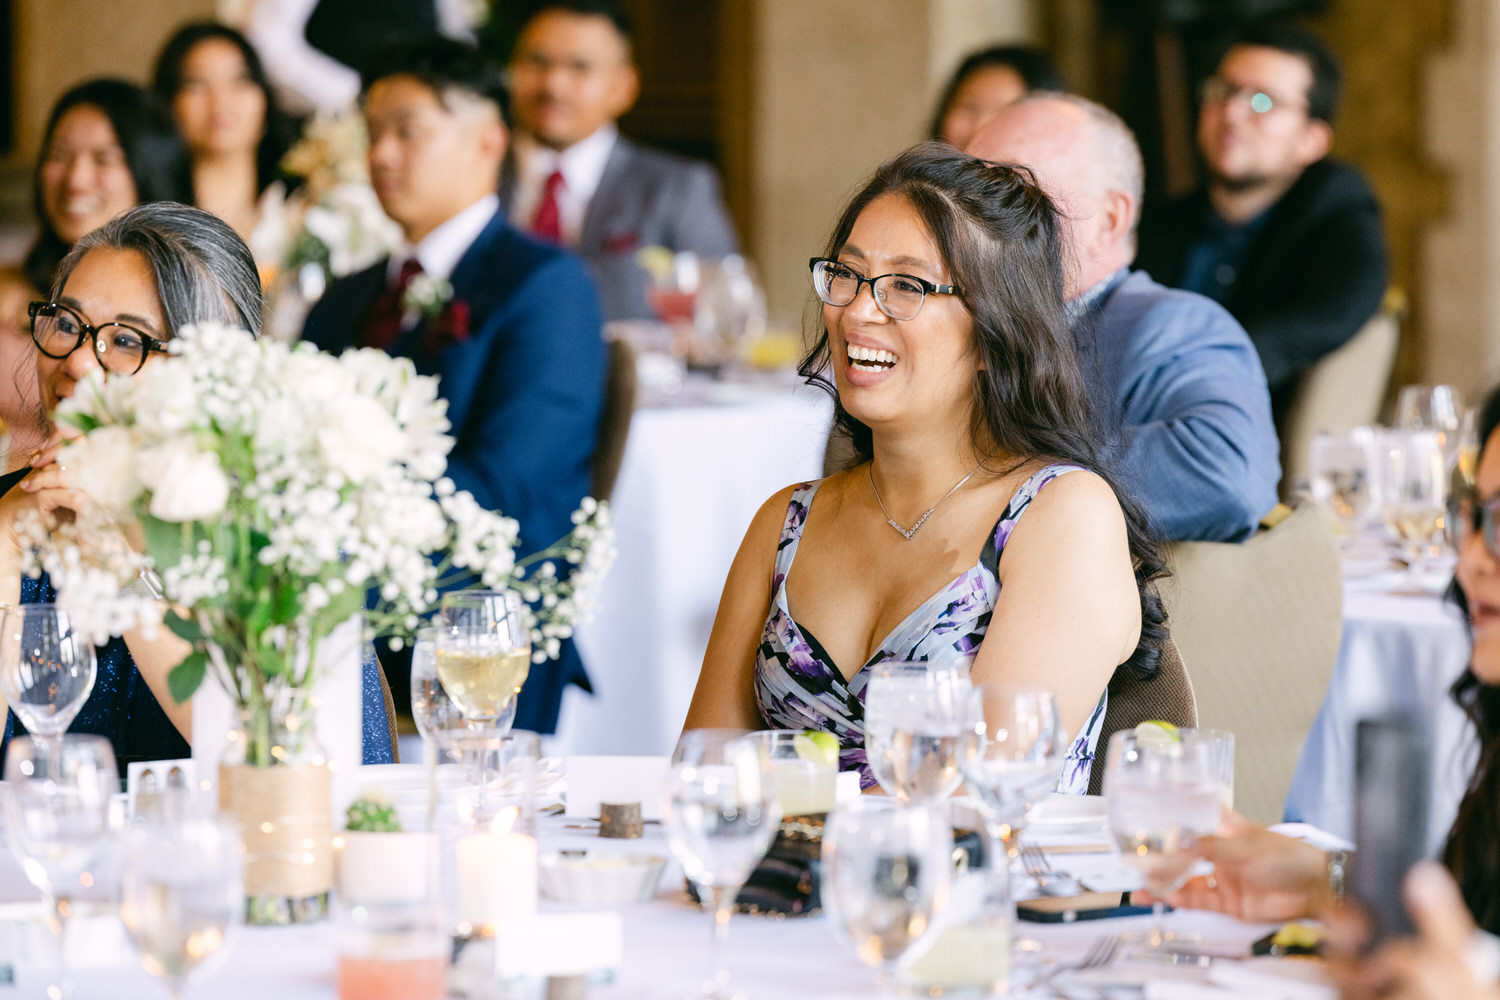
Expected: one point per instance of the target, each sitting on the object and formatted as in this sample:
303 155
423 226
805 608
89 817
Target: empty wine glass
914 718
1343 480
1162 793
182 895
57 800
720 813
886 870
47 667
1430 408
1415 491
1011 756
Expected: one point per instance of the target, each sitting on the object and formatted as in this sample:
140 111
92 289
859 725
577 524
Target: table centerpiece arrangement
251 497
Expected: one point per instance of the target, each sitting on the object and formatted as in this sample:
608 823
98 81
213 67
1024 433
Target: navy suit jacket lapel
465 280
360 290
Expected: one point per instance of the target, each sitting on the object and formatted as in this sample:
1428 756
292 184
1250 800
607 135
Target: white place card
592 780
559 944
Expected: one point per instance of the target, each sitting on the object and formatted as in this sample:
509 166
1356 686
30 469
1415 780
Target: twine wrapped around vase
285 817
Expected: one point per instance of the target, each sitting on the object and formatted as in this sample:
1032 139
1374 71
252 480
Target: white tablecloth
695 472
1399 652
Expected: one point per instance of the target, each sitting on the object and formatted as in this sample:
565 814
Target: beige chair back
1260 623
614 422
1345 389
1167 697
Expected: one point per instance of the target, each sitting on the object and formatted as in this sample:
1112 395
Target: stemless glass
806 775
886 871
1415 490
1162 793
1011 756
914 719
720 813
47 668
57 799
182 895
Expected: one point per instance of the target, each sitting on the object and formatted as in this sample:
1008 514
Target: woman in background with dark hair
213 81
955 375
108 146
984 83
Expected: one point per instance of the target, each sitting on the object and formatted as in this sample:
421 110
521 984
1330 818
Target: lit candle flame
505 820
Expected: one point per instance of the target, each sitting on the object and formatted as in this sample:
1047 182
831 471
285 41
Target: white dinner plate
1059 814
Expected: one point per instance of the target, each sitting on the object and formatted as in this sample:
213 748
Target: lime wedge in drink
817 747
1157 735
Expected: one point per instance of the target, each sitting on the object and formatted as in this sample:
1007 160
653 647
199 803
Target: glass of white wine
914 721
1342 477
1162 792
182 895
1415 491
886 871
482 652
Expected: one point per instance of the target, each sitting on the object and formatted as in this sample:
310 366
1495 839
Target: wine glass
47 667
1430 408
1343 480
720 813
1011 756
483 654
1162 792
886 870
182 895
1415 490
57 800
913 724
1467 455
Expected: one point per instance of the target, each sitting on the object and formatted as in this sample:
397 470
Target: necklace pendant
903 532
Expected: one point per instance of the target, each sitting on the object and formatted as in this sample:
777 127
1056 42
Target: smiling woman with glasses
121 294
944 343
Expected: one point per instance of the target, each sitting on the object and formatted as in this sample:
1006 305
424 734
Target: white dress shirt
582 166
440 250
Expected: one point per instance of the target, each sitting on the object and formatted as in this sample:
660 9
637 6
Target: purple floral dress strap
798 686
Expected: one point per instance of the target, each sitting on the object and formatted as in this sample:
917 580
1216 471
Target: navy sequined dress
123 709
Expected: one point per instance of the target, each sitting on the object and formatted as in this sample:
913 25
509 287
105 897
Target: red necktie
547 223
387 316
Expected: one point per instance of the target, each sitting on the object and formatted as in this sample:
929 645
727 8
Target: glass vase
275 782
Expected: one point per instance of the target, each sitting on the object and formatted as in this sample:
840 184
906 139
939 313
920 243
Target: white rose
103 465
358 438
186 484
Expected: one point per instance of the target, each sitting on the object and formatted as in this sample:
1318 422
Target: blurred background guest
1286 239
108 146
20 409
986 82
511 324
218 93
573 179
1174 375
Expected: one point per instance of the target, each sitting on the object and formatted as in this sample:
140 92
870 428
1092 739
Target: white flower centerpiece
271 493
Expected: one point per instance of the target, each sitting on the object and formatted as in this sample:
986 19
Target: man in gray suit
572 178
1174 374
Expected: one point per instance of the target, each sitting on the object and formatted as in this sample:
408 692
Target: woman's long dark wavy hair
999 236
1472 851
278 131
154 154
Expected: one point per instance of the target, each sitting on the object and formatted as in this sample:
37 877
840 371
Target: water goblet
1429 408
913 724
1415 491
1011 757
720 813
47 667
57 801
182 895
1342 477
886 871
1162 793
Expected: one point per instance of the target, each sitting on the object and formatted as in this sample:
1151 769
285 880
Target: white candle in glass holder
496 874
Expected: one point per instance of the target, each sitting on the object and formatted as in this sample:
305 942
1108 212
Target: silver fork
1101 953
1050 882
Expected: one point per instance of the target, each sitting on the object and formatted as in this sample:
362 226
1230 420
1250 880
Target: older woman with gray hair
121 294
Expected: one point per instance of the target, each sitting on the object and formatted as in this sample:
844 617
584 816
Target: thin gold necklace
909 533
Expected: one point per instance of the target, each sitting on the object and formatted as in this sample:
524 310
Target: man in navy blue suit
510 325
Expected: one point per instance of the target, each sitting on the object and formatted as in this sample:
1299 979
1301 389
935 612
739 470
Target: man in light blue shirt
1174 374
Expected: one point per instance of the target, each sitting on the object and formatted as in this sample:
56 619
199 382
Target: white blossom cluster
255 470
557 602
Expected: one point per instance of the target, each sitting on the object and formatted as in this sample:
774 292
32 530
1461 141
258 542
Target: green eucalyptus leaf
183 679
184 628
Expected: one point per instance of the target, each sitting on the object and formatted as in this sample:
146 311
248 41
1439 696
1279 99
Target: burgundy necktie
384 321
547 223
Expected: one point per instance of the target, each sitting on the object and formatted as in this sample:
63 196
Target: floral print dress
798 686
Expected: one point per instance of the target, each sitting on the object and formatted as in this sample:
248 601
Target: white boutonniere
427 294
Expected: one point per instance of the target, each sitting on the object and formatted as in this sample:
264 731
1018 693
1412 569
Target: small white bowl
599 879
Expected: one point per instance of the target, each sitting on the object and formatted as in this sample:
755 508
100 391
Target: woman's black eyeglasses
899 296
1467 514
121 349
